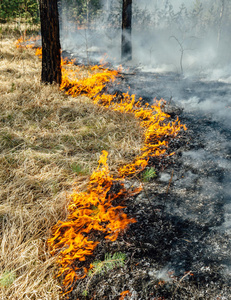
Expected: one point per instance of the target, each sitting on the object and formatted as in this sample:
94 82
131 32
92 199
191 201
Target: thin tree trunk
51 57
220 23
88 14
126 45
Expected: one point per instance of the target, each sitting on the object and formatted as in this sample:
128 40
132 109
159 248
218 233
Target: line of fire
110 207
99 210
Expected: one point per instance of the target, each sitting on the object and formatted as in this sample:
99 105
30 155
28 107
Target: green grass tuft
7 278
149 174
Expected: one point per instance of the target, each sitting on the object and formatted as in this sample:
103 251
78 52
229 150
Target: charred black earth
180 246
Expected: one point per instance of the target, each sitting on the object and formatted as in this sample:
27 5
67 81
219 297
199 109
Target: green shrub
11 9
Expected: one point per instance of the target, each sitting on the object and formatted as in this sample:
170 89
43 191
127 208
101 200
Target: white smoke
176 35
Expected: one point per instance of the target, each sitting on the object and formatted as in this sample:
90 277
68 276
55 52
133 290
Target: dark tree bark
126 45
51 49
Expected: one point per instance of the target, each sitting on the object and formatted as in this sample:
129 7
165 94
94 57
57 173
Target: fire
38 52
94 214
23 42
91 213
91 85
158 130
157 133
94 210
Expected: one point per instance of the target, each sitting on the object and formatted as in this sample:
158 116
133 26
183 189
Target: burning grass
73 240
91 213
157 129
49 142
94 211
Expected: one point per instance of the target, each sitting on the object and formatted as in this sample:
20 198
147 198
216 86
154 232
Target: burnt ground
180 247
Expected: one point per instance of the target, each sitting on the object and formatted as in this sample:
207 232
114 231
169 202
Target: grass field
49 144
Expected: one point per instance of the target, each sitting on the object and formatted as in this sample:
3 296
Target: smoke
191 37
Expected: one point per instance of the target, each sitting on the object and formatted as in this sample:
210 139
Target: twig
187 274
181 51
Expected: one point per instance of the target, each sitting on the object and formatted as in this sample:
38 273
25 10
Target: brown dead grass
49 143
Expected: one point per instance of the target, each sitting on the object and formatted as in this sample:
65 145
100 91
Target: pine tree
51 49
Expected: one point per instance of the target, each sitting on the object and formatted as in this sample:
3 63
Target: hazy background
168 35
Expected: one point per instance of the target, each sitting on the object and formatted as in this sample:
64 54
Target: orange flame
24 42
157 129
157 133
106 218
91 85
38 52
90 213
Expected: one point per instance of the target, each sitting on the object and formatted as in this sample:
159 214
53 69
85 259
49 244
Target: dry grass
48 143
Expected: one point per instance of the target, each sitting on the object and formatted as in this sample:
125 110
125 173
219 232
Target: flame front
93 214
94 211
158 131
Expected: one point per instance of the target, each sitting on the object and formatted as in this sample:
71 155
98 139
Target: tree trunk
51 57
126 45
